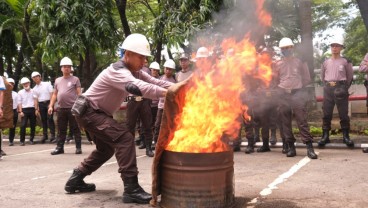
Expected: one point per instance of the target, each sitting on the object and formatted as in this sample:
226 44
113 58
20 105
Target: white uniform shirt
26 98
42 91
15 97
2 84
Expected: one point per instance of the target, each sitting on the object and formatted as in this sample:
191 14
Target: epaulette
348 60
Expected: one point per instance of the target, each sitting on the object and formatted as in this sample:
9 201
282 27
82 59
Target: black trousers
64 116
341 100
29 114
47 120
140 109
12 130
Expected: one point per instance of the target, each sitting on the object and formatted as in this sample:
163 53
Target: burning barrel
197 180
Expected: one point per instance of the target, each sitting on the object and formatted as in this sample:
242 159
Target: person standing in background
26 110
364 68
42 93
336 75
15 113
67 88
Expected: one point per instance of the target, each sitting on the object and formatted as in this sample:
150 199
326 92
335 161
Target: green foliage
315 131
356 41
71 27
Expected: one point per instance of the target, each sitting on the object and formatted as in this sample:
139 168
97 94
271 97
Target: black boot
78 146
273 138
76 183
325 138
285 147
143 143
53 138
310 151
44 138
149 152
292 151
250 147
134 193
59 148
265 147
346 138
365 150
236 145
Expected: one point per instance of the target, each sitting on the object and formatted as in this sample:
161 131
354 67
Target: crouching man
94 109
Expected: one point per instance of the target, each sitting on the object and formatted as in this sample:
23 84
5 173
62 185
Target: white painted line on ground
35 152
283 177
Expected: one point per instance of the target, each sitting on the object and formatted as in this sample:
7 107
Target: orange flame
213 109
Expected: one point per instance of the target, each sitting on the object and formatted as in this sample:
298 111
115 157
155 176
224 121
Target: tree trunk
158 51
19 64
305 12
89 66
121 5
363 8
1 66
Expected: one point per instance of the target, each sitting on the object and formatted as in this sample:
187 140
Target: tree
363 8
356 40
79 29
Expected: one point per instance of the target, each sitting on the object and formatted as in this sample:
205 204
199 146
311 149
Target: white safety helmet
10 80
337 40
154 65
169 64
66 62
137 43
35 74
202 52
24 80
284 42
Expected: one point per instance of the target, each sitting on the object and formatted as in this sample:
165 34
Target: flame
213 109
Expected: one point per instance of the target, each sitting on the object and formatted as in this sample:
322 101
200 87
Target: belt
134 98
335 83
292 91
46 101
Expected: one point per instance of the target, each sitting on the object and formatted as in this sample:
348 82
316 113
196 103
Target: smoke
235 20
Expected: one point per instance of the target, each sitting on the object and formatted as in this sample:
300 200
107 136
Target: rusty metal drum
197 180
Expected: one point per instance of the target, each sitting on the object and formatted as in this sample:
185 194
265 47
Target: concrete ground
30 177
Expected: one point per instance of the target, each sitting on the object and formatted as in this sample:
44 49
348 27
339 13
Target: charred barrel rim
197 179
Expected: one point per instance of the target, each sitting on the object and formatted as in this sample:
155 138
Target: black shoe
365 150
292 151
53 140
149 152
44 140
249 150
310 151
264 149
236 148
58 151
31 142
78 151
285 148
273 139
346 138
11 144
22 144
2 153
76 183
325 138
134 193
143 146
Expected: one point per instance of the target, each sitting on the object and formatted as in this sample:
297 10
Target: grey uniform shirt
364 65
337 70
107 92
291 73
67 91
181 76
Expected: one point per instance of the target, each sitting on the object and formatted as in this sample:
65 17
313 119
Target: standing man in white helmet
26 110
168 76
42 93
67 88
336 75
185 71
15 112
291 76
364 68
94 110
